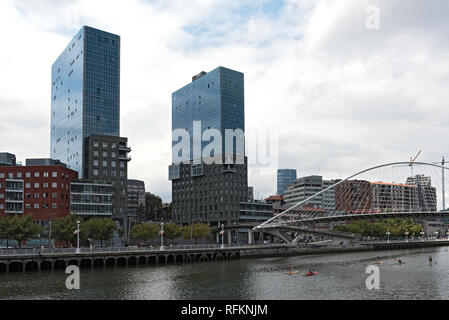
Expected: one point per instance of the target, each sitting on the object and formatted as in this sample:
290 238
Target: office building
204 191
285 178
305 187
85 94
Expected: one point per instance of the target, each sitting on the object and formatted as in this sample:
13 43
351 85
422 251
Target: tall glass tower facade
216 99
85 94
285 178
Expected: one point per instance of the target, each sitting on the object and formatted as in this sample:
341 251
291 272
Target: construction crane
412 160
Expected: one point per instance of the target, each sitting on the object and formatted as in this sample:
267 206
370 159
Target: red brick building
42 190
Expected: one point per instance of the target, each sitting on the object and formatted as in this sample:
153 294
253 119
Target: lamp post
388 235
222 235
49 234
422 233
162 236
78 234
406 235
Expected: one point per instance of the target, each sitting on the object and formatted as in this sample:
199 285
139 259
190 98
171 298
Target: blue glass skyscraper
285 178
216 99
85 94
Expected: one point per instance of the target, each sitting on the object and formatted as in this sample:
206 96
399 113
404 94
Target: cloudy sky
338 96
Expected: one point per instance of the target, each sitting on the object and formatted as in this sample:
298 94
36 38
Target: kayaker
430 259
290 268
400 261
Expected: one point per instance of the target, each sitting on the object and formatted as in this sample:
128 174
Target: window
95 172
27 206
54 184
54 174
2 195
36 206
2 175
45 174
36 174
122 164
96 163
105 163
45 184
113 164
27 185
113 155
36 184
45 195
95 153
54 206
114 145
105 154
28 195
54 195
36 196
11 175
96 144
105 172
19 174
105 144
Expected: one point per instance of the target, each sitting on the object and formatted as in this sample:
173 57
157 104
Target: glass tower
216 99
85 94
285 178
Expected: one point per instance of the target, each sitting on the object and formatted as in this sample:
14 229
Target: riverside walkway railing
51 251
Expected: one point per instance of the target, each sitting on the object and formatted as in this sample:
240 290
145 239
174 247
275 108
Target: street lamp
78 234
422 233
406 235
222 235
388 235
162 236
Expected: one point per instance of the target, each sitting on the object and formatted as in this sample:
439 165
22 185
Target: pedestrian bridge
393 190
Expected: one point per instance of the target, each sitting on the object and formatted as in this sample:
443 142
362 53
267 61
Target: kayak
401 263
309 274
378 262
292 272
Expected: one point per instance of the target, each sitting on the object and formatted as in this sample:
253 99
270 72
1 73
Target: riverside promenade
21 260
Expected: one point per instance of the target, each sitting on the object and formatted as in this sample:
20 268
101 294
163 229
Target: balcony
124 148
124 158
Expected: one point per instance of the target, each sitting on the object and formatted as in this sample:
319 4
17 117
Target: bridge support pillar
250 236
229 236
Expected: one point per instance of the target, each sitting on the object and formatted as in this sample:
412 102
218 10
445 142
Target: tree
99 229
172 231
199 231
23 228
63 228
145 231
5 229
153 204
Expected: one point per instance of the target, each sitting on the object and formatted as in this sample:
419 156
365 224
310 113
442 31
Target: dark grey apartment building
136 196
106 162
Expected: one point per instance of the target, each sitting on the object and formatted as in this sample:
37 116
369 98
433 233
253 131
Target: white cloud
342 97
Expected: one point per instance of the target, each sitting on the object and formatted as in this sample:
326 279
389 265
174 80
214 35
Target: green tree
23 228
144 231
63 228
153 204
5 229
99 229
200 231
172 231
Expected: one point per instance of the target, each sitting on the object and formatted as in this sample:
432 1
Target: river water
341 276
